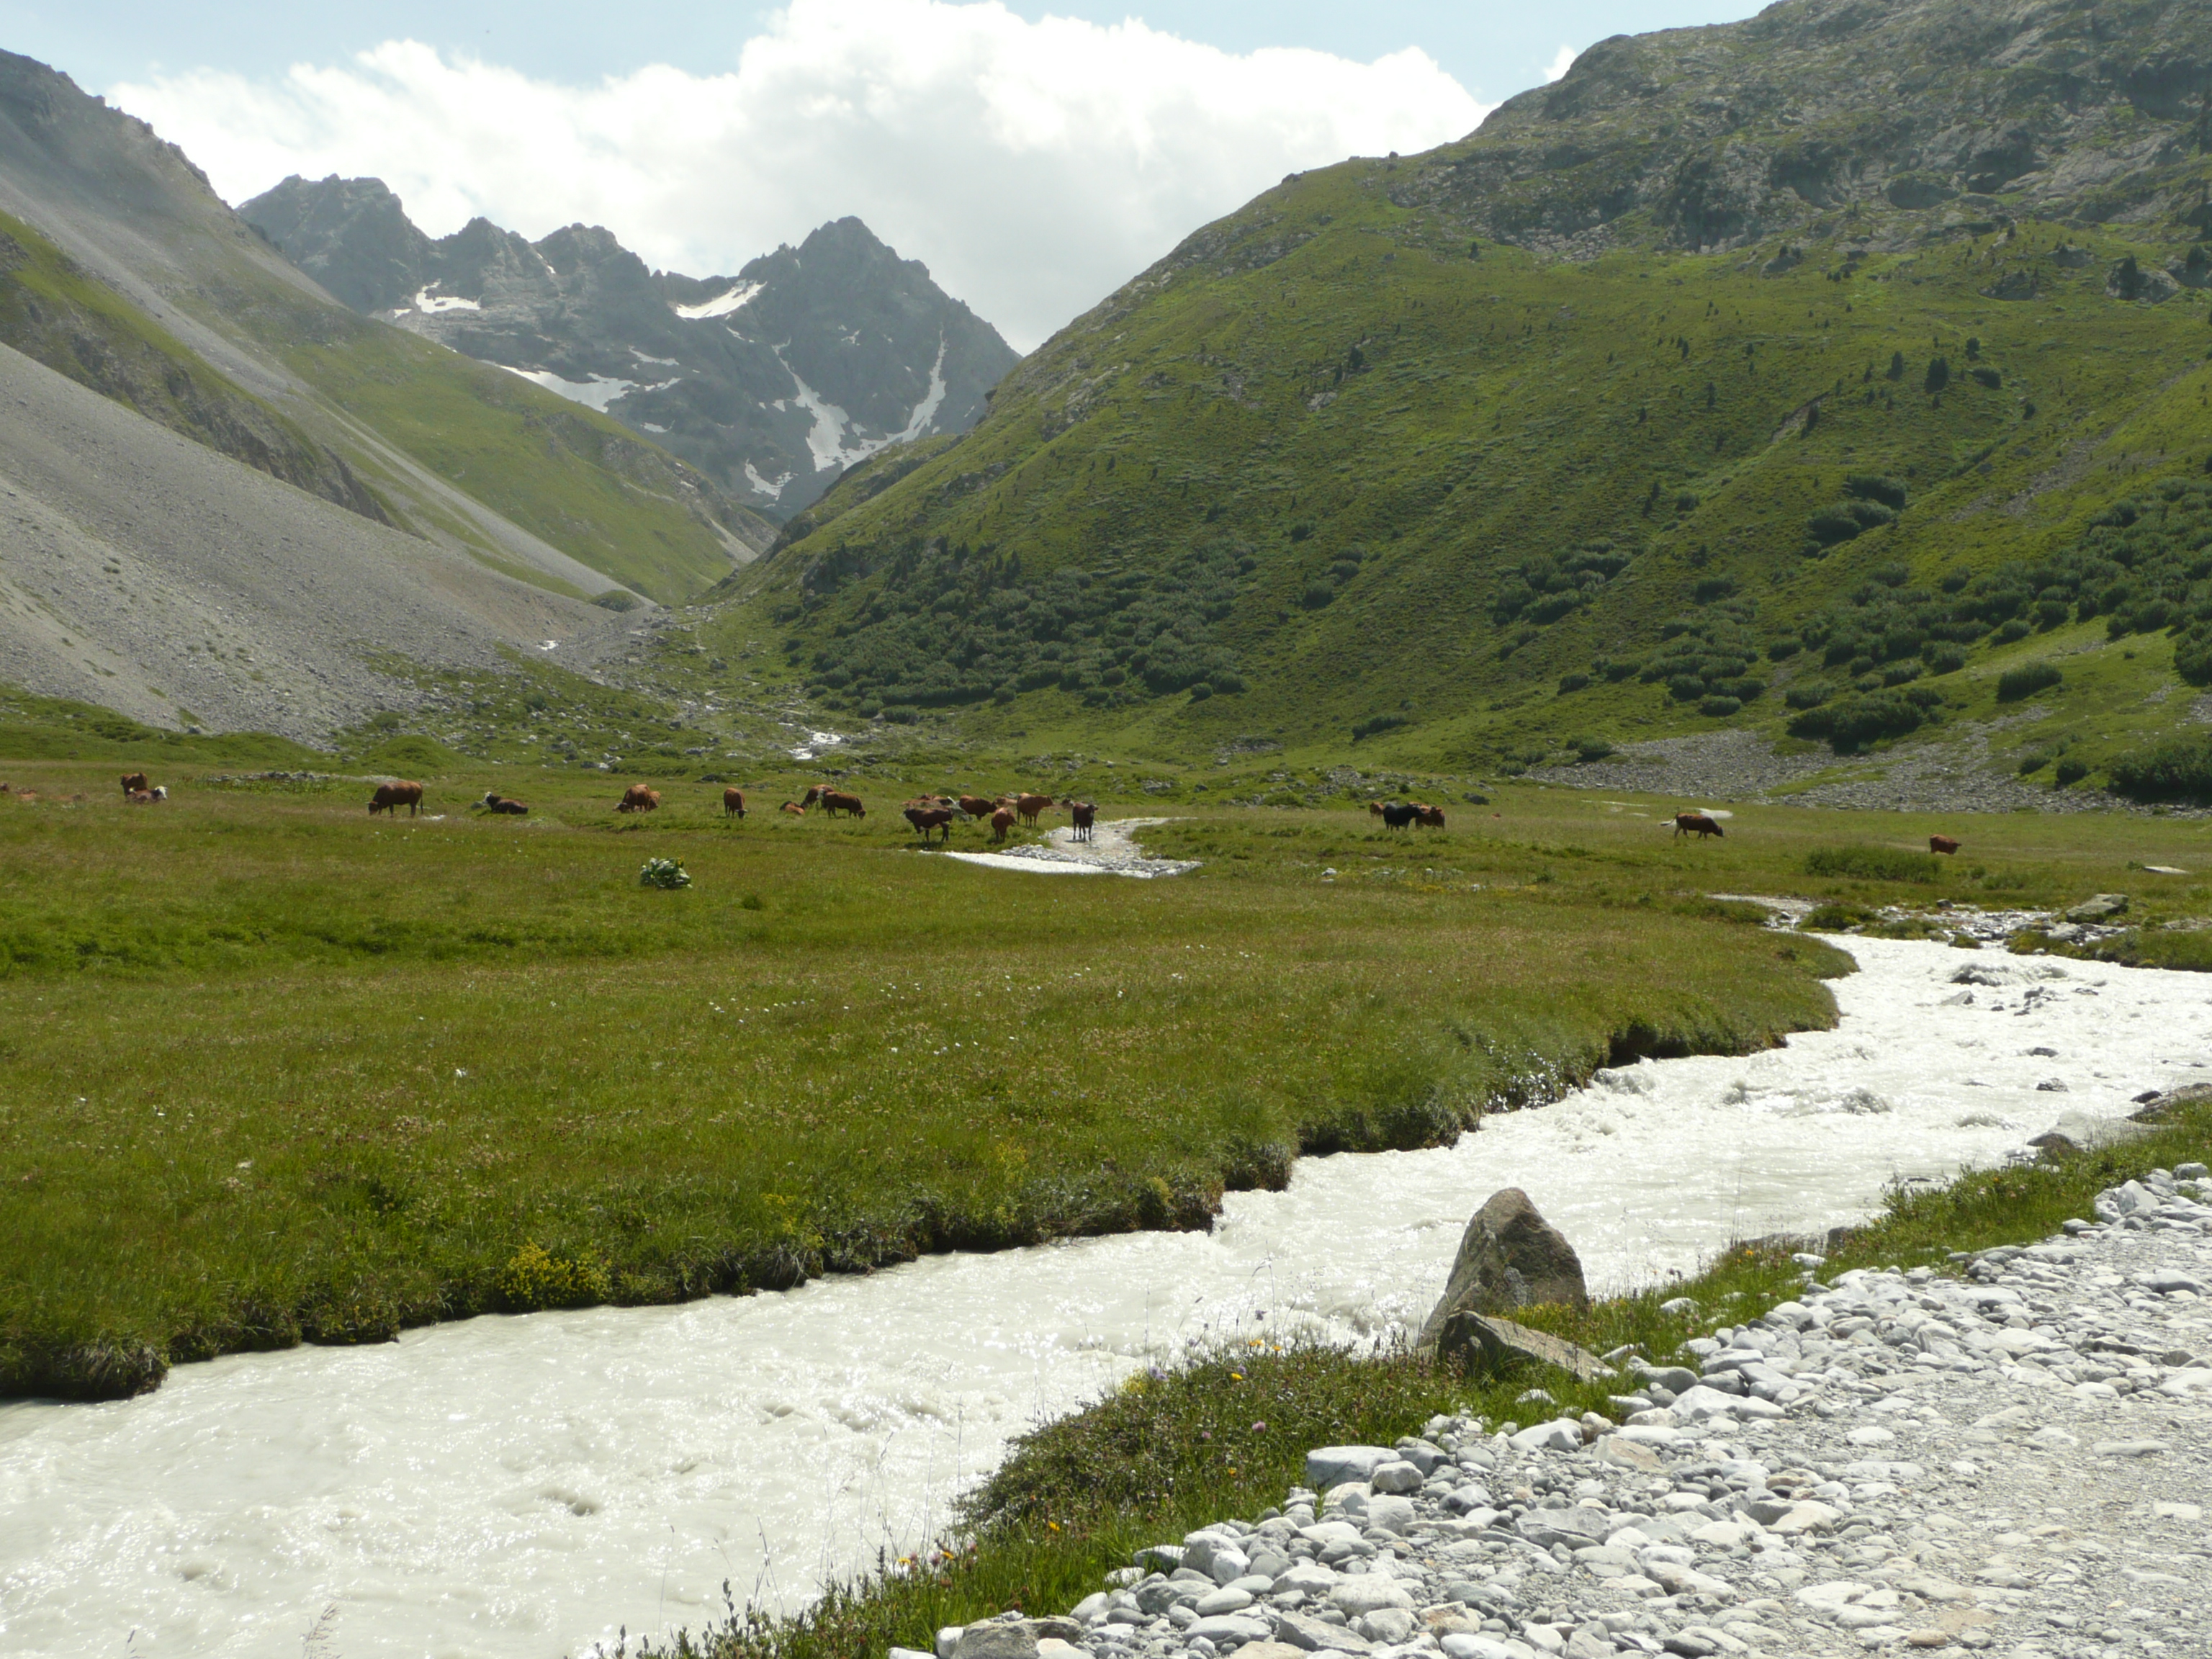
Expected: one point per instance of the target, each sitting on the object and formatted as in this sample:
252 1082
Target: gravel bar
2011 1460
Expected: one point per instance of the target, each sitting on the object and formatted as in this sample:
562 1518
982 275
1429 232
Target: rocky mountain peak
772 380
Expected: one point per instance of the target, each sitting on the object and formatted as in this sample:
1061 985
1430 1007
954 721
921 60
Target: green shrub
1901 673
1873 864
536 1279
1853 722
1591 748
1843 521
1624 670
617 599
1988 377
2071 771
2178 770
1873 487
2027 679
2032 759
1572 682
1811 694
1943 658
1783 649
2018 628
1720 708
1374 723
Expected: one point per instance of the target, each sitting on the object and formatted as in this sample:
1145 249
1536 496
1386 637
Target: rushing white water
523 1486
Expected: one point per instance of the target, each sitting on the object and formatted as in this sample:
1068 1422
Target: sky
1035 157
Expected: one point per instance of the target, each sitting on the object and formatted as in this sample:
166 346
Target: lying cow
638 799
926 818
1697 824
147 797
733 803
1942 844
135 783
391 797
495 802
793 808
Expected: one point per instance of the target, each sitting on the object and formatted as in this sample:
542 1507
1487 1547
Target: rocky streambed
2015 1460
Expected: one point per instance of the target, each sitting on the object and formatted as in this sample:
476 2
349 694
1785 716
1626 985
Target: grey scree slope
2015 1461
123 546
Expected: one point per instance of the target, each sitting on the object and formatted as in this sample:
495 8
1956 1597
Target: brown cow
733 803
135 780
834 801
391 797
814 792
1084 814
1374 809
975 806
147 797
1429 817
497 803
1697 824
793 808
1942 844
1002 821
638 799
1027 807
926 818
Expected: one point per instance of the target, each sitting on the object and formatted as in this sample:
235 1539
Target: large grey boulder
1510 1257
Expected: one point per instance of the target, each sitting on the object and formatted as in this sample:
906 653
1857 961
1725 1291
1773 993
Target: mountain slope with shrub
1810 374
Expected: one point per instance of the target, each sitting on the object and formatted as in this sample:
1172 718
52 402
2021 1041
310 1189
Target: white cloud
1034 166
1562 61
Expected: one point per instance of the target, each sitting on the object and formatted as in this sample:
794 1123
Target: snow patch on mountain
721 305
762 485
595 394
434 303
925 412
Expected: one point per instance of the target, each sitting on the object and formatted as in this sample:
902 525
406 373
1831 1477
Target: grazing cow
1697 824
1396 815
814 792
495 802
1942 844
1429 817
926 818
1026 807
793 808
134 781
391 797
975 806
733 803
1002 821
834 801
638 799
1084 814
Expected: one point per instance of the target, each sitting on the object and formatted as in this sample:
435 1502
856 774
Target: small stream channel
522 1487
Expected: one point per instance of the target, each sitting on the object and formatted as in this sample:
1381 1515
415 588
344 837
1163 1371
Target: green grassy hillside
1345 469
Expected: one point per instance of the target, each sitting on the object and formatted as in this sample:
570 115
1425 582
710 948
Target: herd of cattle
928 814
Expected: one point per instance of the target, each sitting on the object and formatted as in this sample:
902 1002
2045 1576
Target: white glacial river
523 1486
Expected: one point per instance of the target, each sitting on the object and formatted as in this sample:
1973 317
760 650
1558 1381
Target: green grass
1225 1435
430 1068
336 1076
